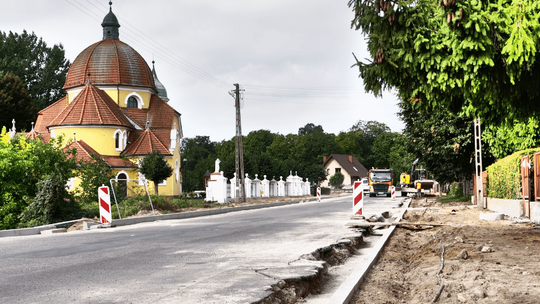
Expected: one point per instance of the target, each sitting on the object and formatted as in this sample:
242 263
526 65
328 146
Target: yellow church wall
123 95
118 95
100 139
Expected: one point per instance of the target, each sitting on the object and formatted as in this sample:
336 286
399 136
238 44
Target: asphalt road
213 259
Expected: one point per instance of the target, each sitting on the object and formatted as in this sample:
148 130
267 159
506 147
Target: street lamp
184 174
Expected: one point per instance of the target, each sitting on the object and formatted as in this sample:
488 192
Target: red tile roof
161 114
85 152
32 134
146 142
137 115
110 62
91 106
47 115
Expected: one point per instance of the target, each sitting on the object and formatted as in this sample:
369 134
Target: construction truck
380 182
417 182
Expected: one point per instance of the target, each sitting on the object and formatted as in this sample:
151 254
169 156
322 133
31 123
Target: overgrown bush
24 164
456 190
52 204
504 176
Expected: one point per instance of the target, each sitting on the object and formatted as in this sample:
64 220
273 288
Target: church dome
109 62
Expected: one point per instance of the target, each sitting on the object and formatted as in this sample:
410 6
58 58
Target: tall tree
42 68
506 139
309 151
442 142
15 102
155 168
472 57
198 156
310 128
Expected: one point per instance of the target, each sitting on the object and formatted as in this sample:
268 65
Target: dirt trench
294 290
483 261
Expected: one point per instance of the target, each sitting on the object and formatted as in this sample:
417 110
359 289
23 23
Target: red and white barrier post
393 192
318 194
358 198
104 204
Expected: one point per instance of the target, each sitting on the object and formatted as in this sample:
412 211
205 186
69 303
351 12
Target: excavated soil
483 261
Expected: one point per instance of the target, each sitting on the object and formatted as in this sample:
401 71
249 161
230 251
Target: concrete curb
25 231
346 291
136 220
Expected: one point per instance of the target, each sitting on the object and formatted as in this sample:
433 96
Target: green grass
452 199
132 205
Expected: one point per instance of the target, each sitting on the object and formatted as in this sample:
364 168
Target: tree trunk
155 188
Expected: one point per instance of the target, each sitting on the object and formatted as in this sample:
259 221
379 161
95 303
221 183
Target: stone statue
217 165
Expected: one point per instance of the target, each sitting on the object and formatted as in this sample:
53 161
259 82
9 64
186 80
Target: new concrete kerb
153 218
346 291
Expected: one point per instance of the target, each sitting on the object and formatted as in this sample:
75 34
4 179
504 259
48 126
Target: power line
161 52
273 93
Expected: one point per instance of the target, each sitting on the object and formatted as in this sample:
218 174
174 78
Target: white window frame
140 101
124 140
120 146
122 172
176 170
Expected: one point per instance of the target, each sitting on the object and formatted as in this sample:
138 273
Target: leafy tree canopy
25 164
473 57
442 142
15 102
336 180
42 68
507 139
155 168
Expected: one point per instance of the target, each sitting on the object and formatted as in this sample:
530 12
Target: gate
525 186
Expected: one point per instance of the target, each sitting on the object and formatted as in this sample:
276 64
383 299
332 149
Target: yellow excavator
417 181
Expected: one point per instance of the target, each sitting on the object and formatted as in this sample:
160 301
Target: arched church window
132 102
117 140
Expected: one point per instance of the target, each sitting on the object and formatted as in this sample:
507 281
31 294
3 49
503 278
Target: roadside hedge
504 176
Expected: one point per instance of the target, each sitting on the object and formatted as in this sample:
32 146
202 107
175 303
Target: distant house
348 165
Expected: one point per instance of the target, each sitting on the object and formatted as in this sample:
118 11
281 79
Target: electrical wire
255 93
145 44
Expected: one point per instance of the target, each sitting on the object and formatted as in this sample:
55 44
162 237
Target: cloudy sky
292 57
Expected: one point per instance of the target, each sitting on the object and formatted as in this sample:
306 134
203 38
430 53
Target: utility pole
239 156
478 164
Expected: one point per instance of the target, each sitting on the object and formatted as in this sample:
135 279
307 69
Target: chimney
350 159
324 158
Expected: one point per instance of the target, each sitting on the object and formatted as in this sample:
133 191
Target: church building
117 109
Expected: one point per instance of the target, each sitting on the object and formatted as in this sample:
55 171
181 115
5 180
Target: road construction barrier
358 198
318 194
393 192
104 204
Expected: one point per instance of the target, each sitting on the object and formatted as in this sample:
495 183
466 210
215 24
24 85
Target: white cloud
202 47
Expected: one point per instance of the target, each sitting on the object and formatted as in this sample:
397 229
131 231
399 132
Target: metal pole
239 156
115 200
148 193
478 164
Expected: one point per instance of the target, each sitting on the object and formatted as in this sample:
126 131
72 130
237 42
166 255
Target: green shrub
51 204
454 195
504 176
456 190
